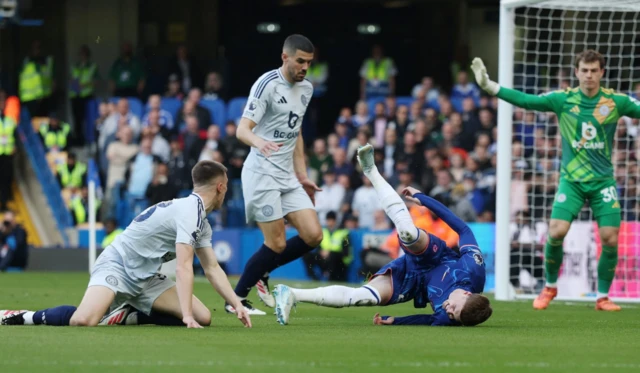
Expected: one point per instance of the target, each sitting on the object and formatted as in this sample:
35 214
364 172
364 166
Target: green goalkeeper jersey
587 126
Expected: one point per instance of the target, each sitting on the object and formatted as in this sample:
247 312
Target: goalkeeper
588 116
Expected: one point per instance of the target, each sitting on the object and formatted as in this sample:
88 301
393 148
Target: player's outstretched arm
246 135
457 224
184 283
512 96
405 320
220 282
630 106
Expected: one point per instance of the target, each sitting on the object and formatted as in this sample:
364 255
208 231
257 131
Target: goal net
546 37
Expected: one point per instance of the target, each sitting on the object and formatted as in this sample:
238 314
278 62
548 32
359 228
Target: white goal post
538 40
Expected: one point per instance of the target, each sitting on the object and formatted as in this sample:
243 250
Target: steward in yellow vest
7 150
72 174
334 255
81 89
377 76
54 134
111 231
36 82
79 206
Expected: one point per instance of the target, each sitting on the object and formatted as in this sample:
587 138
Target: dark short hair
331 215
298 42
476 311
204 172
589 56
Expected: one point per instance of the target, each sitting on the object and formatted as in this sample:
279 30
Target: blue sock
58 316
296 248
263 261
158 318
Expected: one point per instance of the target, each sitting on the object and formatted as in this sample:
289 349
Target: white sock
28 318
602 295
551 285
394 207
338 296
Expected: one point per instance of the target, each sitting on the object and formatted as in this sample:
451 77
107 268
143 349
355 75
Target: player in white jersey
125 277
274 177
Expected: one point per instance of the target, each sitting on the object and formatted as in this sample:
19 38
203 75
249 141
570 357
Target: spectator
460 204
464 88
444 183
179 170
330 198
318 74
425 88
320 160
141 169
362 138
164 118
14 250
8 125
159 145
230 144
192 141
111 231
380 221
365 203
340 165
457 167
173 88
236 162
211 144
341 136
186 70
121 118
334 253
346 117
118 154
160 189
72 174
54 133
362 117
214 88
377 75
347 200
126 77
84 78
191 106
379 124
390 146
411 154
400 122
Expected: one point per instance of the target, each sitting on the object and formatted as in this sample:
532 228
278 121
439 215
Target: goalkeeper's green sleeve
547 102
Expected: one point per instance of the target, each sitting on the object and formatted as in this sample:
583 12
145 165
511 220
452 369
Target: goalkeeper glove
480 71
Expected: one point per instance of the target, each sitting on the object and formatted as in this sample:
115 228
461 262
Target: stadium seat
433 104
135 105
235 108
404 100
172 105
217 110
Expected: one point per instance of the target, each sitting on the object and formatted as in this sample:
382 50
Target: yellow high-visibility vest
84 74
55 138
333 241
31 85
7 138
379 72
73 178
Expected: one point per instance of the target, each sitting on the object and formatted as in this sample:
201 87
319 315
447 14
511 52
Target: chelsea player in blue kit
428 273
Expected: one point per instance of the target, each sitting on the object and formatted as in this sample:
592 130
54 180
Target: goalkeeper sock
57 316
394 207
552 259
338 296
607 268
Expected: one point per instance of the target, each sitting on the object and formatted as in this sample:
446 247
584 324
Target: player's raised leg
412 238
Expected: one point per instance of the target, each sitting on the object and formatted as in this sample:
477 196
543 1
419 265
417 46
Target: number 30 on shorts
609 194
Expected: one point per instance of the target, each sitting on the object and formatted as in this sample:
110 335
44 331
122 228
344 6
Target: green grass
564 338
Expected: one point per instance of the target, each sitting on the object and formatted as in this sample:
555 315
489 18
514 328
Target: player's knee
277 244
558 229
205 318
609 238
81 320
313 237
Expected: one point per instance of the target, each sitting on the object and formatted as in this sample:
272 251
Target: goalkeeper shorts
601 194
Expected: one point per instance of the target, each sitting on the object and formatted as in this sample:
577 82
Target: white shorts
109 271
267 198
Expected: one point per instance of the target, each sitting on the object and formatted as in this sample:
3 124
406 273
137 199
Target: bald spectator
214 88
122 117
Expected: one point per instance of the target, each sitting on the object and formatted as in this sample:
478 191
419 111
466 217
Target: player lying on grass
429 272
126 279
587 119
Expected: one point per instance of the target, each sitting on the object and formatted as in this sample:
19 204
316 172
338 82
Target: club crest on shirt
252 106
478 258
111 280
604 110
304 100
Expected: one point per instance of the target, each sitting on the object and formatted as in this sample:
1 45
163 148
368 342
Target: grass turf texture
564 338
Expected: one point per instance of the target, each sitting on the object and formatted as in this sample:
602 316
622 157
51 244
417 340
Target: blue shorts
410 273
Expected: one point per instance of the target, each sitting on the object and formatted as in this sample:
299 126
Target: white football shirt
277 107
151 238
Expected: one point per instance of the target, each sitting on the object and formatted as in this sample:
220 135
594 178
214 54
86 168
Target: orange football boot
545 297
605 304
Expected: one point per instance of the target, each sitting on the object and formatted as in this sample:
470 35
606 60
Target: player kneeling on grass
430 272
125 278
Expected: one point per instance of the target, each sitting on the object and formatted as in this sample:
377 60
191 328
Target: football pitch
564 338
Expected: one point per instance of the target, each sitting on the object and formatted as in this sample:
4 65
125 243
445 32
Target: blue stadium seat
456 102
217 110
433 104
172 105
135 105
404 100
235 108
